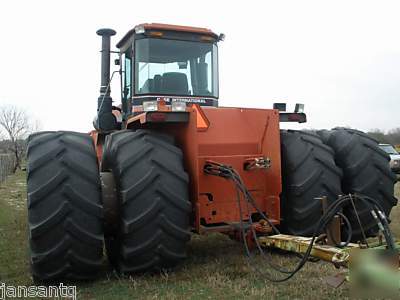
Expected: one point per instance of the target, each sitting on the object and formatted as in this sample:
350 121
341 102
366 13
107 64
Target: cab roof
167 27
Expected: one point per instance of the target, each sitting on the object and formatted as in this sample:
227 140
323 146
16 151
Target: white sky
340 58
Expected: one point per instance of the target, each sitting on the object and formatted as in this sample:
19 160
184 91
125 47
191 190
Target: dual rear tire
65 209
366 171
332 163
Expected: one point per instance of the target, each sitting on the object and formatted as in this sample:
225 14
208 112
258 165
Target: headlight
150 105
178 106
140 29
299 108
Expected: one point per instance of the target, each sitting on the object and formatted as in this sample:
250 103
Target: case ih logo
187 100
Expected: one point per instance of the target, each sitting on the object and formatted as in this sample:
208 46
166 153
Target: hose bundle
335 208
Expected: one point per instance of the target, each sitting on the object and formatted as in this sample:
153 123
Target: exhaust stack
105 119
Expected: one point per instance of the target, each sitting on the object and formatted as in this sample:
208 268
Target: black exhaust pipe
105 118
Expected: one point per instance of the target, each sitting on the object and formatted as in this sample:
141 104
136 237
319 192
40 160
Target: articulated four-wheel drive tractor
169 162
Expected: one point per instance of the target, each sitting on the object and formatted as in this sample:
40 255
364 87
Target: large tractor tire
366 171
308 173
153 197
64 207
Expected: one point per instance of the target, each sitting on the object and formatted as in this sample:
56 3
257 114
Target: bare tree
16 125
394 136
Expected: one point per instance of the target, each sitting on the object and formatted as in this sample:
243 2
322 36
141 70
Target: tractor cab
169 63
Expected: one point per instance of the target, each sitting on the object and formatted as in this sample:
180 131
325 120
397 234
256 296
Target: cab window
175 67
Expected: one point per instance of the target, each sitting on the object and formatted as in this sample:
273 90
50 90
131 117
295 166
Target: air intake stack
105 119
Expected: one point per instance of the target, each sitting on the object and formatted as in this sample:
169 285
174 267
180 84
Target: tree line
390 137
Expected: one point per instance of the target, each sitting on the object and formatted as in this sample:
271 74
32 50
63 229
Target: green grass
215 269
395 215
14 264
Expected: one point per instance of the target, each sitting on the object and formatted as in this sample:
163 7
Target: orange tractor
169 162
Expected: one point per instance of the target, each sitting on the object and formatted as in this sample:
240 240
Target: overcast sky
340 58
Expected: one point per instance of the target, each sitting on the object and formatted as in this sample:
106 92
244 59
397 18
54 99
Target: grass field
215 269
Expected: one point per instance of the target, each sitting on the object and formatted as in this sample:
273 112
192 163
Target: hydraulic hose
227 172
